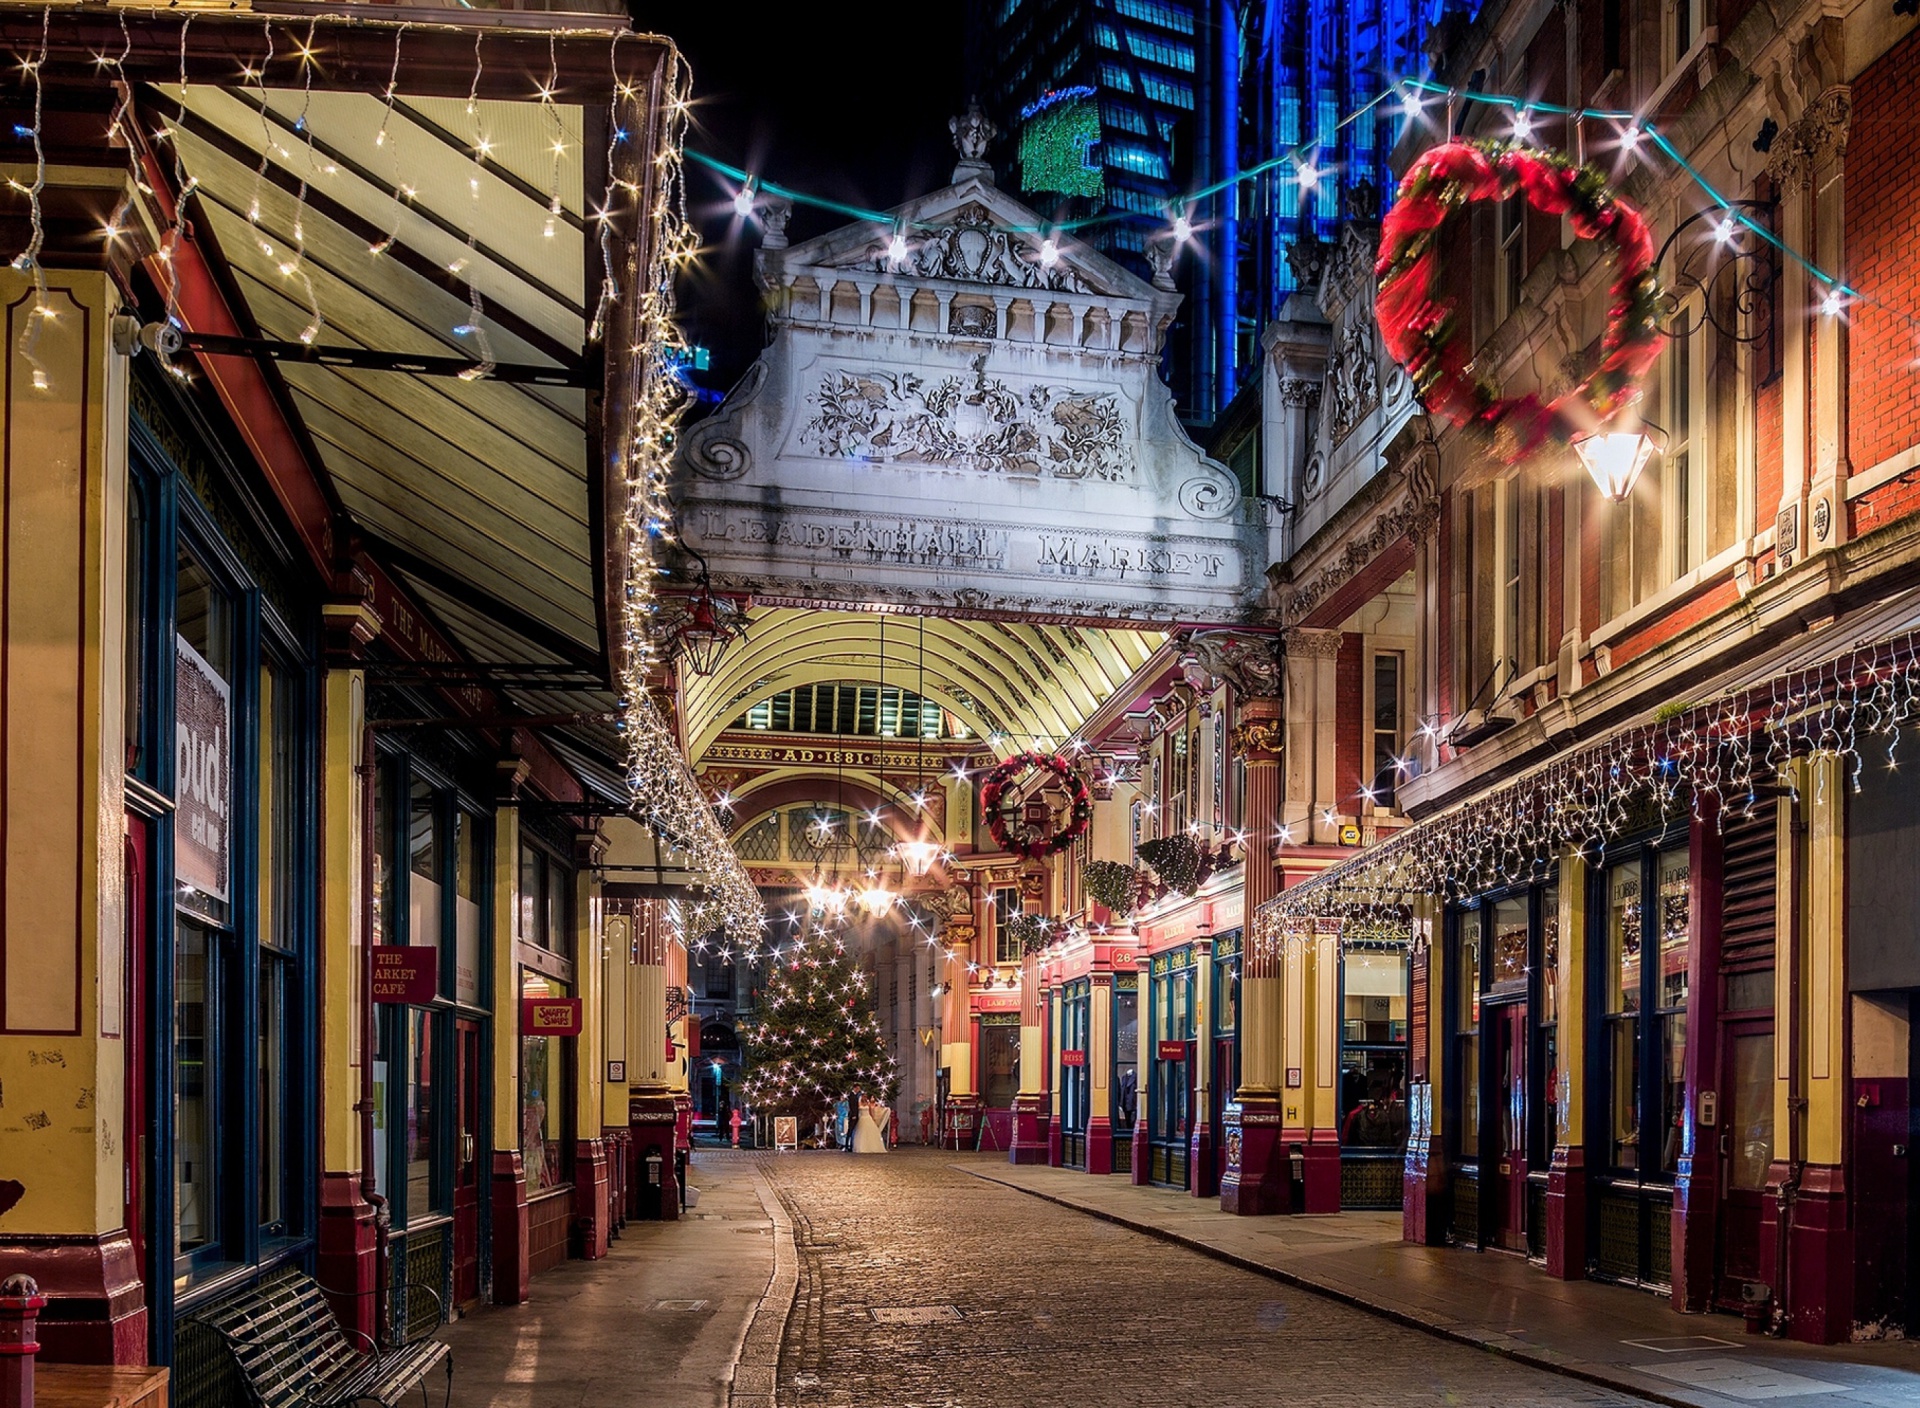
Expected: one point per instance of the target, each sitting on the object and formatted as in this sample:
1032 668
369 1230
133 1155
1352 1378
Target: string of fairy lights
1716 758
1634 135
644 211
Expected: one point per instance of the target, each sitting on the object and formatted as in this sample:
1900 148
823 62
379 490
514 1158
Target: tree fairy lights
1688 762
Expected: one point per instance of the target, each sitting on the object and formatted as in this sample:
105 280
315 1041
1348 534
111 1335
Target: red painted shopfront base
1056 1144
1321 1166
1815 1285
349 1261
1099 1144
96 1311
1257 1179
1566 1214
1029 1145
1141 1152
592 1214
512 1250
1201 1181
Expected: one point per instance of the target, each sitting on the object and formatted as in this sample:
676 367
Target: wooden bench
293 1352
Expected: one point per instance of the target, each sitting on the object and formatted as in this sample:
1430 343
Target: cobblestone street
1051 1307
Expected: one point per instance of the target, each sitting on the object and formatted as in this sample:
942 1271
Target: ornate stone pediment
972 249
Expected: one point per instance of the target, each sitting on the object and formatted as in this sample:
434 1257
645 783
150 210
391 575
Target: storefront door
1508 1157
1746 1150
466 1165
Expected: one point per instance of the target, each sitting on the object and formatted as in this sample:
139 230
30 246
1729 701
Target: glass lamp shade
876 900
703 640
917 856
1615 458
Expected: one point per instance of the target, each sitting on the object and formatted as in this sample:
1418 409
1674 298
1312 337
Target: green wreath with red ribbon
1023 842
1422 333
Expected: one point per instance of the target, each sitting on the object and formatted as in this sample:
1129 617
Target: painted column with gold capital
592 1176
956 1030
1030 1109
1201 1180
1256 1178
512 1247
64 1024
1056 1144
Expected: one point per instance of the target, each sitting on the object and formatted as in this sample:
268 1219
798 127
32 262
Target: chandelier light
876 901
917 856
1615 458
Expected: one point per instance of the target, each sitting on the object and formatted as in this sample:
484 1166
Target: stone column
592 1175
1320 997
1201 1182
1030 1105
652 1112
348 1234
1055 1018
1100 1074
1819 1281
512 1269
1255 1178
1567 1173
956 1033
63 925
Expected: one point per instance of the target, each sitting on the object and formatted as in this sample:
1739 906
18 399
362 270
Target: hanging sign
406 975
1173 1051
1073 1058
550 1016
203 757
786 1133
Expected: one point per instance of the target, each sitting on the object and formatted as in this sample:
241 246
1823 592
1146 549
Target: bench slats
293 1354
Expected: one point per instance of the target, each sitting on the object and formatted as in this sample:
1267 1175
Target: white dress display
870 1134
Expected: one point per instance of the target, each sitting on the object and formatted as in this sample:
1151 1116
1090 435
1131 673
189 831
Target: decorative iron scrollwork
1724 280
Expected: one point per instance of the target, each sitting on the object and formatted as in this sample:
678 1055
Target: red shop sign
1073 1058
1173 1051
550 1016
405 975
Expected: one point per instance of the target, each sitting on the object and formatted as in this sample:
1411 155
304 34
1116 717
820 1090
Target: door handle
466 1147
1726 1145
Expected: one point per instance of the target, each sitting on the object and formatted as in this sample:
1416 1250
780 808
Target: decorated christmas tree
816 1039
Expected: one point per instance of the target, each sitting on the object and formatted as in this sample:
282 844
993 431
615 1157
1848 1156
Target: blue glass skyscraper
1191 94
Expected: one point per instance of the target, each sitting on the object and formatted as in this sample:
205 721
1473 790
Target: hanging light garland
1716 757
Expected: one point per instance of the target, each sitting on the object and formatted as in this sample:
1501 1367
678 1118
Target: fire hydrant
736 1127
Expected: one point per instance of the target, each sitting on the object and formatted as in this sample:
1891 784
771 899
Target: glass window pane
1467 1003
542 1096
1673 1048
1550 955
1510 945
1624 1075
533 897
1126 1061
1469 1130
270 1071
279 734
1752 1114
1623 937
1674 947
195 1197
469 883
559 929
420 1140
425 846
203 615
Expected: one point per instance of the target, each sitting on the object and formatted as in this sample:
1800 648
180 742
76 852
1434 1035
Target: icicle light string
401 192
28 261
1725 751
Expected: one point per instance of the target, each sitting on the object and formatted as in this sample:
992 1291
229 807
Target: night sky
845 101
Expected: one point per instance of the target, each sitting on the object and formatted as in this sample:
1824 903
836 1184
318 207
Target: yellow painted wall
506 979
343 959
62 1053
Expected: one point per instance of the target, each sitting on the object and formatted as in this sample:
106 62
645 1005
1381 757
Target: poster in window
203 746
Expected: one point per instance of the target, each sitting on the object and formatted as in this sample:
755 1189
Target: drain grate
913 1314
679 1305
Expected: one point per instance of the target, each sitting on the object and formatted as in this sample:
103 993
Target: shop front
1374 980
1074 1075
1223 1052
1169 1056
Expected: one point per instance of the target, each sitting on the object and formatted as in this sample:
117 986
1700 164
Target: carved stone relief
978 422
1247 662
1355 384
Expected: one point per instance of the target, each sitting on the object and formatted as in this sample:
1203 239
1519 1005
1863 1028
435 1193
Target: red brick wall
1348 725
1883 231
1674 621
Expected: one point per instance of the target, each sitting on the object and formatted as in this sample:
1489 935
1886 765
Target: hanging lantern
876 900
917 856
1615 458
702 640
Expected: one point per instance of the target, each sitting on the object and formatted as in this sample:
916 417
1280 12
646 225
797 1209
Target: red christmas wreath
1420 329
1024 843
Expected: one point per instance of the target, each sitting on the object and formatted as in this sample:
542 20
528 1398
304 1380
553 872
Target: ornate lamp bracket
1734 252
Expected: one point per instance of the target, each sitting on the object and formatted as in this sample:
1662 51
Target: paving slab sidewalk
1627 1339
659 1323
